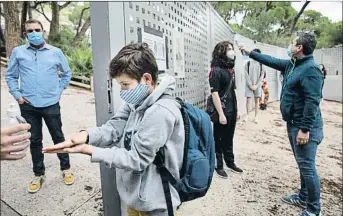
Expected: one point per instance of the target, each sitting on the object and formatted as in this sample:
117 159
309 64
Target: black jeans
223 137
52 118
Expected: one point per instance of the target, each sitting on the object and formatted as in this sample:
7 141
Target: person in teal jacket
299 104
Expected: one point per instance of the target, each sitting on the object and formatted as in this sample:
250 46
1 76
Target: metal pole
108 37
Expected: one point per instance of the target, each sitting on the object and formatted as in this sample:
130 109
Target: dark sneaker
306 213
234 168
294 199
221 173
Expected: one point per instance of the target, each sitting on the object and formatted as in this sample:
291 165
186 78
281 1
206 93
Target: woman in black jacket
223 92
323 70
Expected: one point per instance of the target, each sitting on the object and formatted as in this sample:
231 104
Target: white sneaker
255 120
245 118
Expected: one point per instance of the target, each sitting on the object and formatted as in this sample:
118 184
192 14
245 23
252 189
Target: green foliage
63 40
80 62
270 22
75 14
79 58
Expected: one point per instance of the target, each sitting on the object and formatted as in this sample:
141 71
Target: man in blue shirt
33 79
299 103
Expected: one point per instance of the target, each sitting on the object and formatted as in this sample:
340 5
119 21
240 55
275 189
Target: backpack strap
248 64
211 73
166 178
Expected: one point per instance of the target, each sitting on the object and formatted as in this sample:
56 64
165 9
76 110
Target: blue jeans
305 156
52 118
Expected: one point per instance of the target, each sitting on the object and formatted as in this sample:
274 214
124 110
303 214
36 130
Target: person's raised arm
270 61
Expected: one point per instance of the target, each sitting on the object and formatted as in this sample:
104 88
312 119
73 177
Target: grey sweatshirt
129 142
255 76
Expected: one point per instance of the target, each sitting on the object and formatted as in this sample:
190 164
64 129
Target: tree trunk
55 19
296 18
30 10
81 34
23 17
12 23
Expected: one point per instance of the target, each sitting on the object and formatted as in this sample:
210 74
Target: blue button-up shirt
38 72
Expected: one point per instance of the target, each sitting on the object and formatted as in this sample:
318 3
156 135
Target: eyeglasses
33 30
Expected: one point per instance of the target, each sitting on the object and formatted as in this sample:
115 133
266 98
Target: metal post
108 37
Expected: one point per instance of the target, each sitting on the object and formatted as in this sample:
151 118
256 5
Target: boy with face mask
37 64
299 103
130 140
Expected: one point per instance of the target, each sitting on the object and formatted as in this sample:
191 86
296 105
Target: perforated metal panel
188 18
220 30
202 28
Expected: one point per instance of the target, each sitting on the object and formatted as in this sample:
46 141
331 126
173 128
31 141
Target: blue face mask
35 38
135 96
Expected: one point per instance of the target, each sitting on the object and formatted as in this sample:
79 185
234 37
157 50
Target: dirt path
262 150
270 171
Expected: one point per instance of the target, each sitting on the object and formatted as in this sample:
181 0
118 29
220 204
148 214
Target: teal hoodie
301 89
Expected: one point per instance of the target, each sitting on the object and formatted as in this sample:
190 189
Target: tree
24 11
295 20
81 34
261 21
55 14
271 22
12 23
80 17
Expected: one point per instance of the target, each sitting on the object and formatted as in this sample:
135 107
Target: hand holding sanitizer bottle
245 56
13 118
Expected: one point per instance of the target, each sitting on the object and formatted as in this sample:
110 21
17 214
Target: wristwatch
87 140
304 130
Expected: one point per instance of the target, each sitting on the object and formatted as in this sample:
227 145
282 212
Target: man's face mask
292 49
35 38
135 96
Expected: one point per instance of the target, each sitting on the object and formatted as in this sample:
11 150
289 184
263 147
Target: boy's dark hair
308 41
219 58
257 50
134 60
33 21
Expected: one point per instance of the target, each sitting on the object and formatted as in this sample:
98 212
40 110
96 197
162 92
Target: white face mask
231 54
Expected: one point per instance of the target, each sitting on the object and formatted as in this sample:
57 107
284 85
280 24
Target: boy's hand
74 145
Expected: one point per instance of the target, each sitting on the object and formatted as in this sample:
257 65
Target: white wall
332 89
